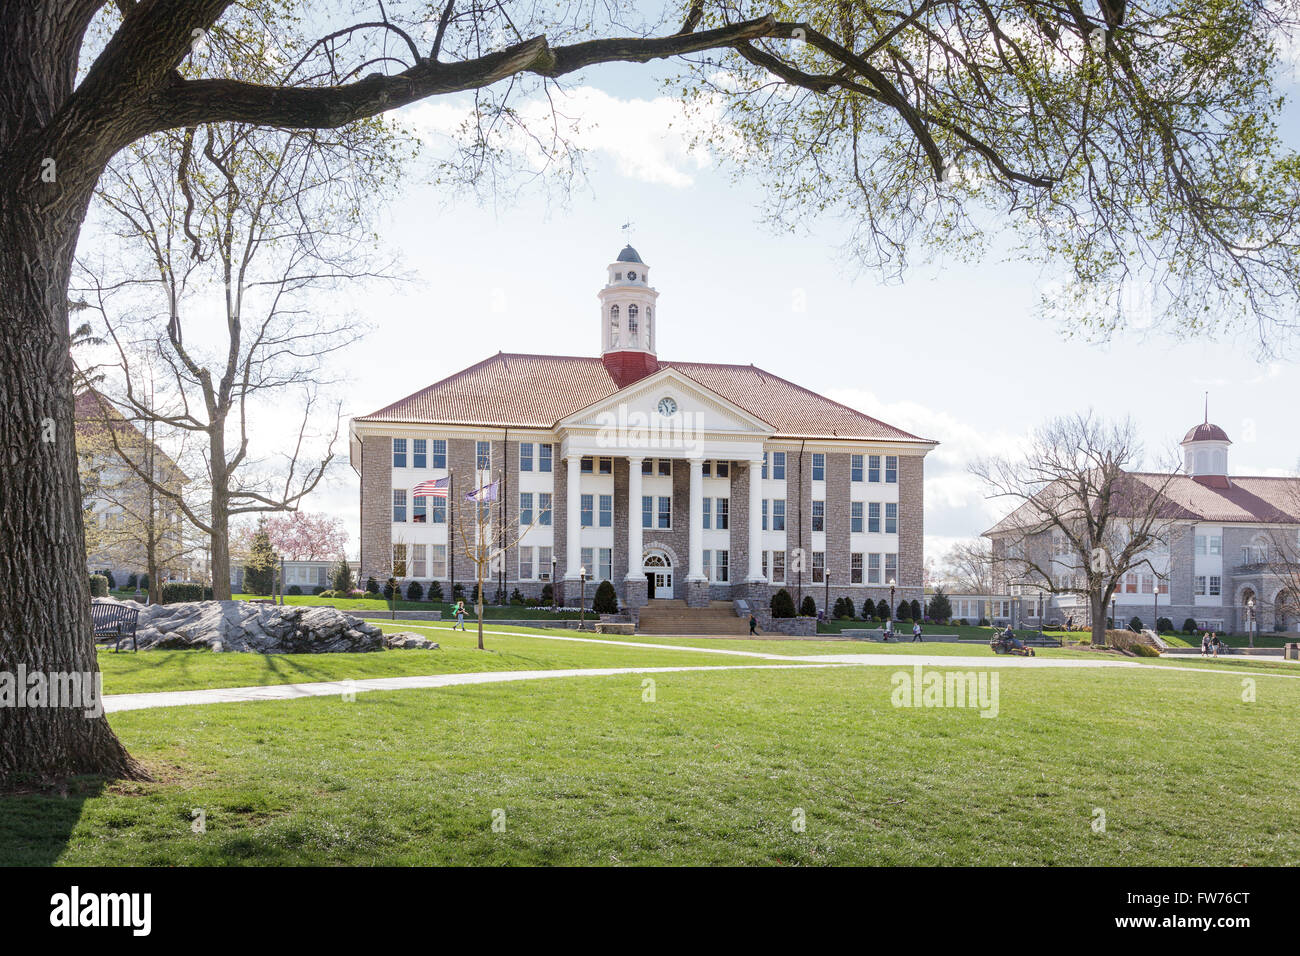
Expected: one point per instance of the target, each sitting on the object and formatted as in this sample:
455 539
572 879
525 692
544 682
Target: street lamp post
582 598
555 600
826 601
1250 620
892 584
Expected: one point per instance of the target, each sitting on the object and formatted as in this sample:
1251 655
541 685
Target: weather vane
627 231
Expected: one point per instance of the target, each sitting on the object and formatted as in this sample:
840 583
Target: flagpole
451 527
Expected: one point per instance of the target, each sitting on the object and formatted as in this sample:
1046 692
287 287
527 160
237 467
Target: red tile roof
539 390
1246 499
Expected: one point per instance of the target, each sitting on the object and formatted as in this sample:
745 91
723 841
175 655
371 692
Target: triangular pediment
668 390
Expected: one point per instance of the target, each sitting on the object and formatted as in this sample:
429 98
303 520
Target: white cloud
648 140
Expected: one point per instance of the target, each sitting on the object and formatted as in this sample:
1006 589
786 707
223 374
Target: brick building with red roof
689 481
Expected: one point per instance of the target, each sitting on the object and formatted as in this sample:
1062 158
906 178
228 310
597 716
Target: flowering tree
304 536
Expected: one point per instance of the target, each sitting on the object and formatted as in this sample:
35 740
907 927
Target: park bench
1041 641
116 621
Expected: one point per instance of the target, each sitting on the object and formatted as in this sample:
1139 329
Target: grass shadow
36 825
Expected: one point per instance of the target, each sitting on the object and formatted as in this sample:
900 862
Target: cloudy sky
954 352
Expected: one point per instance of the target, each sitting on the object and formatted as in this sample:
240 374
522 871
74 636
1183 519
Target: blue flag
486 493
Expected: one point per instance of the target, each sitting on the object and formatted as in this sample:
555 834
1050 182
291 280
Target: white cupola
1205 451
627 306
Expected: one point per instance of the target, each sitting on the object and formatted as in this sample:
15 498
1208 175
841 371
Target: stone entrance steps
674 617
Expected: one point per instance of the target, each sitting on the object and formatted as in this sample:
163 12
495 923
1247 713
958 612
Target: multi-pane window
399 452
778 514
706 560
891 469
873 569
439 452
764 466
778 465
873 468
1216 544
722 514
819 466
437 560
1216 585
592 465
818 567
606 570
418 566
399 504
483 455
855 516
666 512
765 517
544 507
722 469
891 518
763 559
819 516
586 510
1131 583
525 564
399 560
1199 588
647 511
544 457
438 511
420 457
584 558
891 568
873 516
606 511
706 513
855 568
665 467
721 566
855 468
545 558
525 456
1200 544
419 511
778 567
525 508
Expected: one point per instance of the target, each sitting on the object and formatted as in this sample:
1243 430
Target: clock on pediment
667 406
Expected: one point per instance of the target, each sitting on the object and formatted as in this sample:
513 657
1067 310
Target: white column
756 523
696 537
573 535
634 543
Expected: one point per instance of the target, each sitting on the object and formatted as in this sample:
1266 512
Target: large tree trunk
1098 599
220 518
44 591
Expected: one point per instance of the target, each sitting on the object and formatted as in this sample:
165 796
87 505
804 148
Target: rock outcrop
242 626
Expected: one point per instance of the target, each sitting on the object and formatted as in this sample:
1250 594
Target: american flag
432 488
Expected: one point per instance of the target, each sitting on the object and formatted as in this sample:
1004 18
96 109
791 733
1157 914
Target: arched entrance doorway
1286 610
658 574
1251 612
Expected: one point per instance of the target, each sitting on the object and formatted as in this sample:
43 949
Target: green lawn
127 673
713 771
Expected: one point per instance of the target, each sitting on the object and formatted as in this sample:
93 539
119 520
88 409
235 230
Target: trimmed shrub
131 579
882 609
548 593
108 576
868 610
144 581
1164 626
318 590
1189 626
98 585
984 622
435 591
782 604
390 589
294 590
458 592
372 586
916 609
605 600
904 611
414 591
517 598
809 607
1145 650
843 608
176 593
1135 623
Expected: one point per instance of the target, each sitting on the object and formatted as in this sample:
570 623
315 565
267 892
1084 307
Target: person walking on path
1205 643
460 616
753 625
916 633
